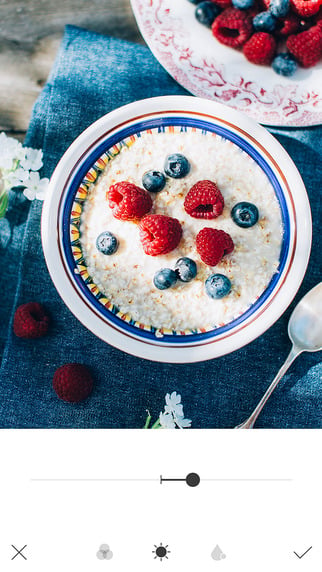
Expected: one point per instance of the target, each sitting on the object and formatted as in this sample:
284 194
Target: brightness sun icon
161 551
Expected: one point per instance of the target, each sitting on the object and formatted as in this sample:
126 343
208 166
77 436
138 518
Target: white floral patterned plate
190 53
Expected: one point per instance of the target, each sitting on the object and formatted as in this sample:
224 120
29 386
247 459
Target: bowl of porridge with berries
177 228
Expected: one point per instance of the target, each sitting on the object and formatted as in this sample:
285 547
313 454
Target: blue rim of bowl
111 314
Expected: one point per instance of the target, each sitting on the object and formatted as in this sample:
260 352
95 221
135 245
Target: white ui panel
145 500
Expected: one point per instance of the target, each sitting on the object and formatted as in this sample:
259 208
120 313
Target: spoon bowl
305 325
305 333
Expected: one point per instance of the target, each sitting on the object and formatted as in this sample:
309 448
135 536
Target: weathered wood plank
30 32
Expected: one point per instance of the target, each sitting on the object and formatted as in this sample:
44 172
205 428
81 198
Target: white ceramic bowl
80 166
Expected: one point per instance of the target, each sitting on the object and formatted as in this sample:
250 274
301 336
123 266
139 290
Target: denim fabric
93 75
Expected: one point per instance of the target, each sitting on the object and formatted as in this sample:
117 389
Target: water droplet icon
217 553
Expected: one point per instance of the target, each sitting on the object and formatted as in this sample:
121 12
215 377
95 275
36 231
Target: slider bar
163 479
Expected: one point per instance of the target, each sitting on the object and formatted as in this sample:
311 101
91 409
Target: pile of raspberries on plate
280 33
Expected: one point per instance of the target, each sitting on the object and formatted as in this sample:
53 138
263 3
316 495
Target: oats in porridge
244 217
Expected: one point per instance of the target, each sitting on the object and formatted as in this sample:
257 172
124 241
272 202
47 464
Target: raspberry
213 244
159 234
306 47
260 48
232 27
289 25
30 321
318 17
251 12
222 3
306 8
127 201
204 200
73 382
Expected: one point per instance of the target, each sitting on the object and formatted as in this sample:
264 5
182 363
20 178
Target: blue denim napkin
93 75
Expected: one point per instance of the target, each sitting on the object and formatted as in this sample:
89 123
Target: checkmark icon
301 555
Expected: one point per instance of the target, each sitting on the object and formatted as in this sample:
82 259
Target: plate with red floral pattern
208 69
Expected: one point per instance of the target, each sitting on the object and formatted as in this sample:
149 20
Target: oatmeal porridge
126 277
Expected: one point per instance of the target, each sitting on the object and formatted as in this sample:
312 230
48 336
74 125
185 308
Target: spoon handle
249 423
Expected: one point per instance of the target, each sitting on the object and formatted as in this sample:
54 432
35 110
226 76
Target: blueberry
243 4
264 22
279 8
217 286
244 214
186 269
206 12
176 166
284 64
153 181
164 278
107 243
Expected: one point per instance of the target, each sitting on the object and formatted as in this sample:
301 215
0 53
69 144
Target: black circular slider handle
192 480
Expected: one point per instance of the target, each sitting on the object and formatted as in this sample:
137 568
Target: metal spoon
305 333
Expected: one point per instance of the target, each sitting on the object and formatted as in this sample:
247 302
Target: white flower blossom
183 423
35 187
18 168
17 178
166 421
32 160
173 416
11 151
173 404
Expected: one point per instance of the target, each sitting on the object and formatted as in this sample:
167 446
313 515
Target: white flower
35 187
11 150
18 168
32 160
182 423
173 404
166 421
173 413
17 178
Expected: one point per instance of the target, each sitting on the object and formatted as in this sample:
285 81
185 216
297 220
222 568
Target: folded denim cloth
92 75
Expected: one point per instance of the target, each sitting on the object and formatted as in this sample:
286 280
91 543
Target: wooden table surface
30 32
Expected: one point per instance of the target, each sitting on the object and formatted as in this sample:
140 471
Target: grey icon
104 552
161 551
300 556
217 553
19 552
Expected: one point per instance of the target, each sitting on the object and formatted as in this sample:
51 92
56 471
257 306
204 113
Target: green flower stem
147 422
156 425
4 199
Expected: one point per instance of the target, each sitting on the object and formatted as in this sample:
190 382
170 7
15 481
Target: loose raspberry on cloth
73 382
31 321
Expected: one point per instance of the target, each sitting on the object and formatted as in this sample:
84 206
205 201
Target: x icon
19 551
